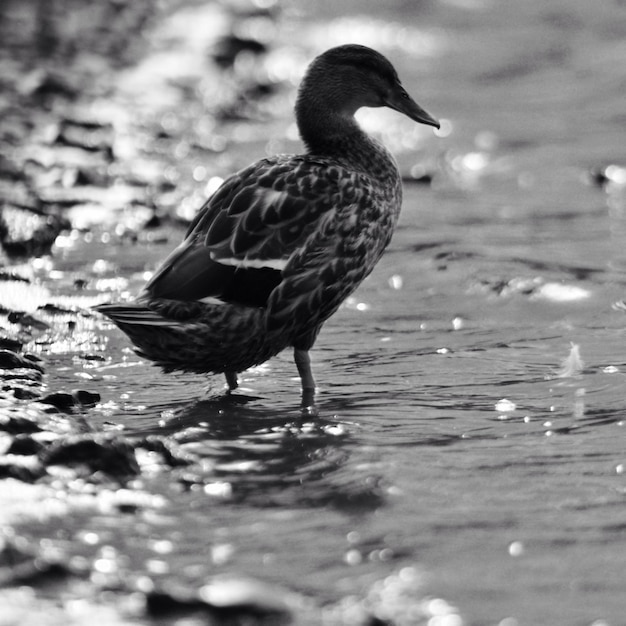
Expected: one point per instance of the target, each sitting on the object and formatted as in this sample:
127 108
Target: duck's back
291 234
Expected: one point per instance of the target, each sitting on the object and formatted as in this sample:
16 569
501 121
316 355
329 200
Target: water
455 439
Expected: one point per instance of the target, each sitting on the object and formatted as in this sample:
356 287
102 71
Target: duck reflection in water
264 459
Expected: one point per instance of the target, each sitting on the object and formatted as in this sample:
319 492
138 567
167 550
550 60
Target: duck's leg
303 363
231 381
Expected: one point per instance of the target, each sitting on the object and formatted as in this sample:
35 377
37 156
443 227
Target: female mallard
281 244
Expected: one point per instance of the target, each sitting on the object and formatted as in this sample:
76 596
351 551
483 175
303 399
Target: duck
280 245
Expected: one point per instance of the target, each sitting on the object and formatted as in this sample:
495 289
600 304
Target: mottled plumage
279 246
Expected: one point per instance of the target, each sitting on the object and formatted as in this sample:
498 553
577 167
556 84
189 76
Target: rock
26 320
29 233
21 377
8 343
12 360
24 444
90 356
161 603
12 276
24 390
15 424
68 402
226 600
110 455
63 401
24 473
86 398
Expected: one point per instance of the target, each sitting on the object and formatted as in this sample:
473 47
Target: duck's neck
329 132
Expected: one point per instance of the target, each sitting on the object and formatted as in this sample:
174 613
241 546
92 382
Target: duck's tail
194 337
132 313
149 331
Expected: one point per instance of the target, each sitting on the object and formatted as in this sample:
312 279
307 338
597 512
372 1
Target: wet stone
61 400
15 424
20 376
7 274
23 390
110 455
161 603
17 471
34 359
24 444
27 321
236 600
68 402
86 398
55 309
12 360
8 343
29 233
88 356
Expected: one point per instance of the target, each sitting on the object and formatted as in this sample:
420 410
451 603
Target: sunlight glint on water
455 435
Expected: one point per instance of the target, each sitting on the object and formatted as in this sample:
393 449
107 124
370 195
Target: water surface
454 444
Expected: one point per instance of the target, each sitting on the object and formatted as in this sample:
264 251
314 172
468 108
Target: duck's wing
243 238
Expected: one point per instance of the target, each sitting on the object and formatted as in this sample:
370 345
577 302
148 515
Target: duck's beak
399 100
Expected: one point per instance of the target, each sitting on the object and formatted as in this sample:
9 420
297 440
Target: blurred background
468 464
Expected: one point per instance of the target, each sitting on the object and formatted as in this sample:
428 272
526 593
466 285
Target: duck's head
346 78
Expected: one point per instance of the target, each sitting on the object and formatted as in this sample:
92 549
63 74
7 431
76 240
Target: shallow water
453 439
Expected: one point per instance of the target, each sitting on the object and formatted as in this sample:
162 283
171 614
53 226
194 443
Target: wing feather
248 232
